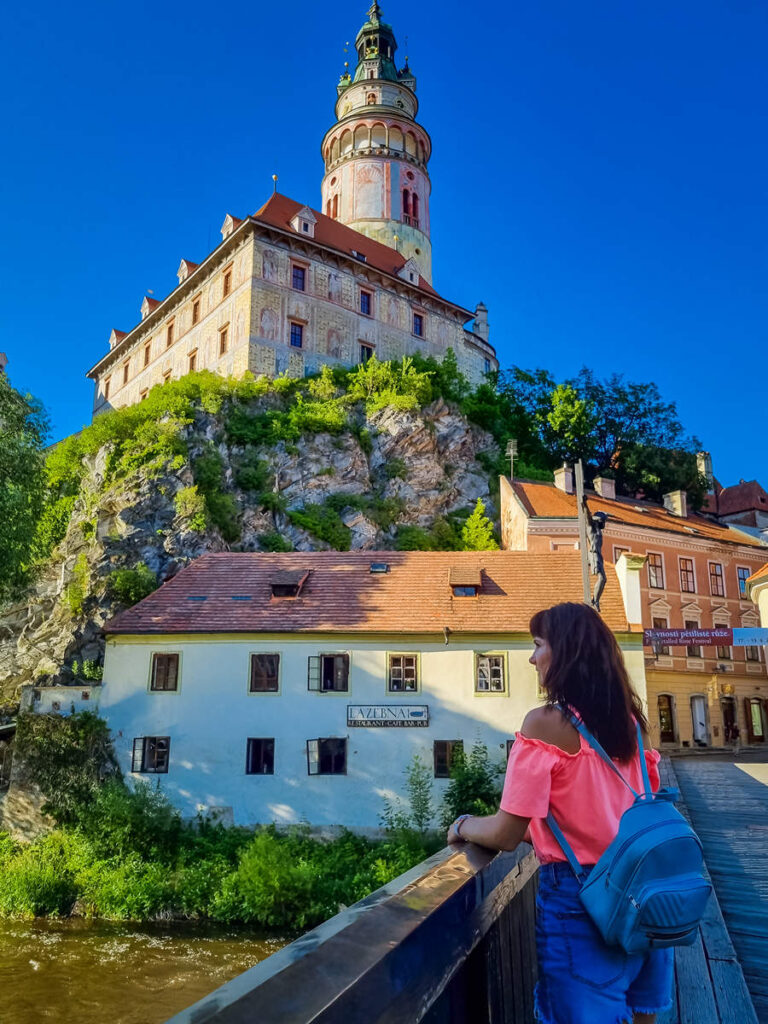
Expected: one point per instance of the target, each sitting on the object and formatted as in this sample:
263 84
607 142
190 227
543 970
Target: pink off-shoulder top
584 795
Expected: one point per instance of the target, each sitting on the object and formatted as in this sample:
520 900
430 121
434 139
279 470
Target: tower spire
376 154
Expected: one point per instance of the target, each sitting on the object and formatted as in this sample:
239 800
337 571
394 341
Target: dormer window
465 582
304 222
289 582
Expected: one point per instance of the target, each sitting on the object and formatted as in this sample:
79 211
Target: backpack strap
577 723
565 846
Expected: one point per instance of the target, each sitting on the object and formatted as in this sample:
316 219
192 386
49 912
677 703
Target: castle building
291 288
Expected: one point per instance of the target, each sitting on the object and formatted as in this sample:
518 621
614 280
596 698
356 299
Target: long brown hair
587 673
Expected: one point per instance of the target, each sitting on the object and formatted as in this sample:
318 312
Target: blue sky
599 178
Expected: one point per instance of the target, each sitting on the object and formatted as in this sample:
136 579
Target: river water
110 973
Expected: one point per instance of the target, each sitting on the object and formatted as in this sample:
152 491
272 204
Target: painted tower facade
376 155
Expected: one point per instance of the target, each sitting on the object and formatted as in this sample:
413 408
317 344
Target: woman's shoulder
548 725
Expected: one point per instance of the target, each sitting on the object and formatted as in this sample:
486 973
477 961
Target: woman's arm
499 831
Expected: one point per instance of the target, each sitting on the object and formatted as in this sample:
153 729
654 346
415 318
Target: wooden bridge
452 942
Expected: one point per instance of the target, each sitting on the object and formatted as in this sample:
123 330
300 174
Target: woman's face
541 657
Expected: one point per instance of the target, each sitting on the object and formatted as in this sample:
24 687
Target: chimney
480 325
676 502
604 487
704 466
564 478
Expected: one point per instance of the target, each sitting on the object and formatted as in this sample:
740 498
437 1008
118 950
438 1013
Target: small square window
151 754
165 672
418 325
366 352
327 756
265 669
444 753
403 673
298 278
305 227
260 756
365 303
489 675
223 340
226 286
297 335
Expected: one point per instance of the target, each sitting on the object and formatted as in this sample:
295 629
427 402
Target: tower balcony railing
408 219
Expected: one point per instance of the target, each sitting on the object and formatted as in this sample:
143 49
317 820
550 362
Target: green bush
475 786
38 880
395 469
274 541
76 590
190 507
129 586
324 522
252 473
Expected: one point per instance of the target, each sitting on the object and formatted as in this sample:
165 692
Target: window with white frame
328 673
687 576
655 570
716 580
151 754
327 756
165 672
743 573
403 673
661 623
489 673
693 650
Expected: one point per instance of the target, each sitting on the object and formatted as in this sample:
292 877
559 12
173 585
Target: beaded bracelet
457 824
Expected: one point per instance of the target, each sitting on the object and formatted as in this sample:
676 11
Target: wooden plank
696 998
731 993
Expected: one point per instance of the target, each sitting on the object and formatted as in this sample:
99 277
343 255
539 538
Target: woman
551 768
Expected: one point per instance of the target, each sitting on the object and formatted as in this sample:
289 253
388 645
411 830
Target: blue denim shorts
581 979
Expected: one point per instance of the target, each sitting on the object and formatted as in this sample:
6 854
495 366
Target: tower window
335 206
297 335
371 99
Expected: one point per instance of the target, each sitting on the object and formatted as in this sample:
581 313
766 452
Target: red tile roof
549 502
279 211
342 595
761 574
741 497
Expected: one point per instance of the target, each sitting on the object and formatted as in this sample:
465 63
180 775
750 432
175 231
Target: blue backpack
647 890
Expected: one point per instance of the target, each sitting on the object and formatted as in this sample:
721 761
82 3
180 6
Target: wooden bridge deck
729 810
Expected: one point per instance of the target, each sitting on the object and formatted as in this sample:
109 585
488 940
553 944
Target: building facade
694 576
299 686
290 288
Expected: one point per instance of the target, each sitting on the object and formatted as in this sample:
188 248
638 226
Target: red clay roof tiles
549 502
343 595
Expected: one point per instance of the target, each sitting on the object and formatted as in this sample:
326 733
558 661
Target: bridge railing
452 941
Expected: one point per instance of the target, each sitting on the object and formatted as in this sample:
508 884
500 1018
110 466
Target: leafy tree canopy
23 433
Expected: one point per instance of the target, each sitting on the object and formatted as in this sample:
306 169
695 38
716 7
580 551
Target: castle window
143 394
366 302
486 366
195 310
125 373
223 340
328 208
418 325
297 335
371 99
415 209
298 278
107 382
226 287
406 204
335 213
166 376
169 334
193 361
147 351
366 351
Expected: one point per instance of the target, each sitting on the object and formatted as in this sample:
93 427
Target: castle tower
376 155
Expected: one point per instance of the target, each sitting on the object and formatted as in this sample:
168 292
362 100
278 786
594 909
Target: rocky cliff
357 488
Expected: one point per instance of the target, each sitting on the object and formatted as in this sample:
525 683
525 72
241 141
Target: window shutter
138 752
313 675
313 756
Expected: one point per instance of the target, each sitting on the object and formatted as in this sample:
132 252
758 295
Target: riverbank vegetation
123 852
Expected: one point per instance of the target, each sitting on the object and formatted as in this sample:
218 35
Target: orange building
694 576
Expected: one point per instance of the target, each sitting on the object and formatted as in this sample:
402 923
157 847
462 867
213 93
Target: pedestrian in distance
552 769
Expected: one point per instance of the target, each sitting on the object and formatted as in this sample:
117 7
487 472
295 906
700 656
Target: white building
290 687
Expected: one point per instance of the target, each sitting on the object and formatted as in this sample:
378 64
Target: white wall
212 714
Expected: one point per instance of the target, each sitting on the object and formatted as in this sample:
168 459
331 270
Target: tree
23 433
569 425
477 532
